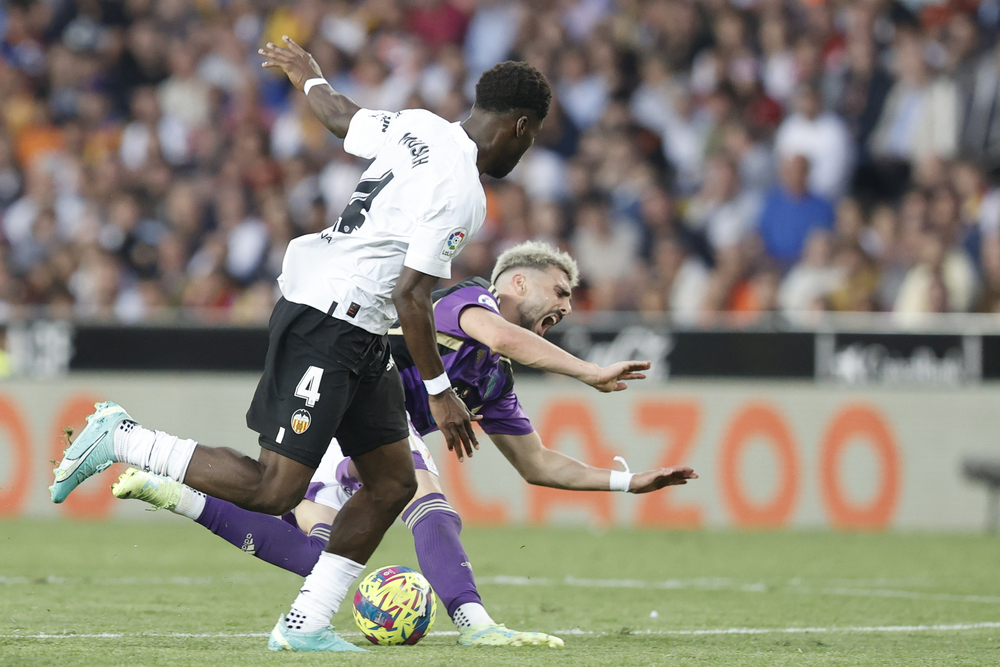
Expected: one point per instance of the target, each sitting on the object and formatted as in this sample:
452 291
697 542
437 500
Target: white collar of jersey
465 141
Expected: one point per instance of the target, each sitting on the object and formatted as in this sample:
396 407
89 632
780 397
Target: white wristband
313 82
438 384
620 481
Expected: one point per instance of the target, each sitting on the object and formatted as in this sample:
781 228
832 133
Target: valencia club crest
300 421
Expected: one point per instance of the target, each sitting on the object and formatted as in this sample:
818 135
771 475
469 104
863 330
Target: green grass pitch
170 593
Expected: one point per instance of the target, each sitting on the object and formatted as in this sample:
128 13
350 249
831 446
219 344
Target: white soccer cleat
162 493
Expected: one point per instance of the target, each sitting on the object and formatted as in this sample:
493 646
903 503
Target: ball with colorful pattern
394 605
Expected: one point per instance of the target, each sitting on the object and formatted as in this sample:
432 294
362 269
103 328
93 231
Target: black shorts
325 378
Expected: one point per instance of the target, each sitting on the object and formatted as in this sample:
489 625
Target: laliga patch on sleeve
454 242
487 300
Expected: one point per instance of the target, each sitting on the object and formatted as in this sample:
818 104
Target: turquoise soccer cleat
283 639
91 452
495 634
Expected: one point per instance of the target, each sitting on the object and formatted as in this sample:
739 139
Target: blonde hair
536 255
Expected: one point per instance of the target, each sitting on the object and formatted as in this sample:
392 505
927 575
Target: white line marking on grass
790 631
112 581
137 635
723 584
700 583
955 627
913 595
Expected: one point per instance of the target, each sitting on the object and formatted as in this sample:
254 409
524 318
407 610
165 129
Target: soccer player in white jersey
482 325
328 372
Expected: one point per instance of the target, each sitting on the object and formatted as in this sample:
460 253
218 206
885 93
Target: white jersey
416 206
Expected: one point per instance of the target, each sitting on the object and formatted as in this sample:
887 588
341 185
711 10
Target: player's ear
521 126
521 283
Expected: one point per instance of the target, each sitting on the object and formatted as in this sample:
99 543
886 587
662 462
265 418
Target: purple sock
267 537
436 528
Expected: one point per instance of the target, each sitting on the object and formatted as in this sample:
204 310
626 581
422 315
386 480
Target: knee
403 490
408 489
394 493
274 501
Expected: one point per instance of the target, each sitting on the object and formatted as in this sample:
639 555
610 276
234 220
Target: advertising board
770 454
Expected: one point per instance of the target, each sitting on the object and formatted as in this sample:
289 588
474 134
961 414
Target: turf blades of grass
152 584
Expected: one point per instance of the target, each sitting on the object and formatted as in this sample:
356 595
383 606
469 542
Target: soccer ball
394 605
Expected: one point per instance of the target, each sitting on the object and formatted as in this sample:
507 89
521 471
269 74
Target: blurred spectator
858 280
720 211
184 95
779 61
989 301
807 285
148 163
583 94
981 111
753 159
790 212
606 249
820 137
757 295
858 90
682 280
685 131
943 280
920 116
150 134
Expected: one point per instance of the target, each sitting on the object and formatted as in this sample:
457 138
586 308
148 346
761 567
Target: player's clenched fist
293 60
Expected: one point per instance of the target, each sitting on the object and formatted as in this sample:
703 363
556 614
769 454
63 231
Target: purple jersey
482 378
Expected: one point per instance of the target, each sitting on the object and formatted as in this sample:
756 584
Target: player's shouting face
546 298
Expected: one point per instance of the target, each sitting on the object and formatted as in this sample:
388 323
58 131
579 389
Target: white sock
322 592
155 451
471 613
191 504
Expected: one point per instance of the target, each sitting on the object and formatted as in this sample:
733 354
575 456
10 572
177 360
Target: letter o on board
859 421
759 420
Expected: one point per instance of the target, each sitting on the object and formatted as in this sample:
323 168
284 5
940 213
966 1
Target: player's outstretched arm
333 109
541 466
528 348
412 297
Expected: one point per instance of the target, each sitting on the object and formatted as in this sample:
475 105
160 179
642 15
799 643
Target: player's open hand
293 60
455 421
653 480
613 377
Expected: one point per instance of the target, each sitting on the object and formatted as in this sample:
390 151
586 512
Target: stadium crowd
702 157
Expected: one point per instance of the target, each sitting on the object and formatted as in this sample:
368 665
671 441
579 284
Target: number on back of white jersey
308 386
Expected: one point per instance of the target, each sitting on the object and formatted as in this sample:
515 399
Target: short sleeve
436 240
367 132
505 416
448 311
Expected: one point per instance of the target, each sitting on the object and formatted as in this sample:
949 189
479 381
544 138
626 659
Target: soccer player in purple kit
479 326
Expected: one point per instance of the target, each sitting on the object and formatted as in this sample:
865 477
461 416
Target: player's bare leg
297 546
273 484
388 484
309 514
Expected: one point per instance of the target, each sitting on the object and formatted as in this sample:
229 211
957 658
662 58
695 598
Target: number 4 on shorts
308 386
